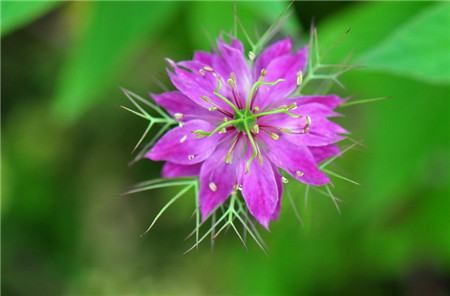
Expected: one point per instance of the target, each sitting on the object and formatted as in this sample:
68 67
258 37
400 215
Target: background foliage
66 145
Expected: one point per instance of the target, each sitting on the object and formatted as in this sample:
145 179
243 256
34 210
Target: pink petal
284 67
173 170
297 160
324 152
181 146
279 180
282 47
233 60
331 101
177 104
260 191
195 86
217 180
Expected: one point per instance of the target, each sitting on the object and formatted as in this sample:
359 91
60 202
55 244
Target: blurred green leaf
418 48
112 32
208 19
18 13
363 26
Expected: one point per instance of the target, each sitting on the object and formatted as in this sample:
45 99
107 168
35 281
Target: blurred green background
66 147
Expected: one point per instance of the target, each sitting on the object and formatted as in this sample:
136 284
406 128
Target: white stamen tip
299 173
208 68
183 139
212 186
251 55
284 180
178 116
191 156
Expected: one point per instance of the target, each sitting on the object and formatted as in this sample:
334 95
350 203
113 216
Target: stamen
299 173
183 139
256 108
202 72
212 108
284 180
216 92
191 156
212 186
208 68
178 116
308 124
229 156
275 136
251 55
285 130
206 99
262 74
255 129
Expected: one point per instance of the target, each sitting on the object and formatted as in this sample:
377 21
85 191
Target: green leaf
16 14
362 26
112 32
419 48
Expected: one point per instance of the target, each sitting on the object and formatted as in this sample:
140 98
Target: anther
251 55
284 180
212 186
255 129
183 139
308 124
202 72
206 99
223 131
292 106
178 116
285 130
191 156
256 108
299 173
208 68
212 108
262 74
275 136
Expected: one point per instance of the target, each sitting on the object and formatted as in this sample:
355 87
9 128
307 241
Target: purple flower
241 123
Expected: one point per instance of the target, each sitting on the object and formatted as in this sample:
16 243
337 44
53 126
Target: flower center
243 119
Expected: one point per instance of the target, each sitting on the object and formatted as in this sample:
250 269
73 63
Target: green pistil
216 92
254 146
201 133
255 88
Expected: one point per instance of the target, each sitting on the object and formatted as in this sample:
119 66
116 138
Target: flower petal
173 170
323 152
217 180
181 146
260 191
331 101
277 49
279 180
233 60
177 104
297 160
284 67
321 131
197 86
